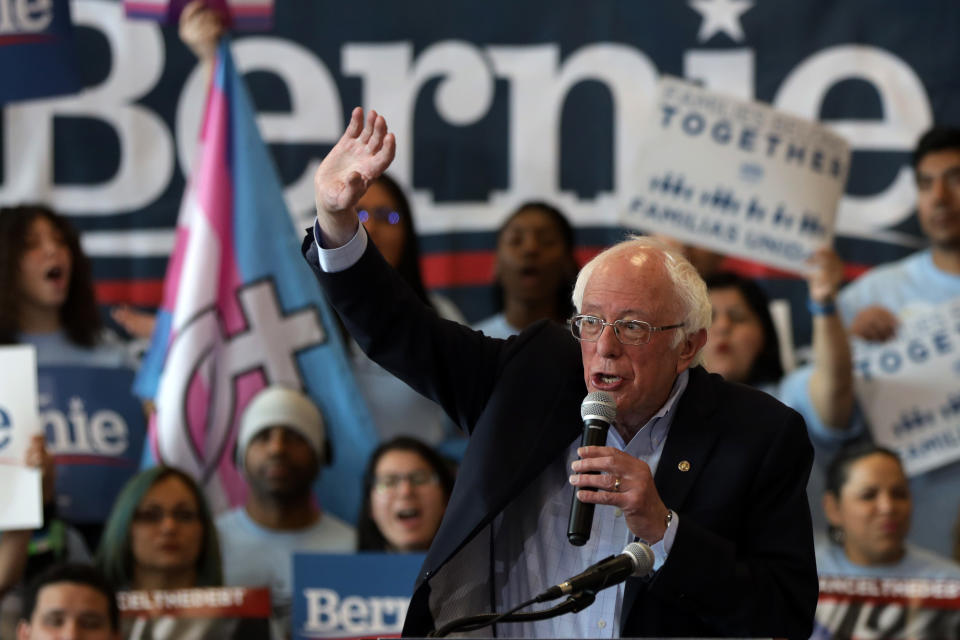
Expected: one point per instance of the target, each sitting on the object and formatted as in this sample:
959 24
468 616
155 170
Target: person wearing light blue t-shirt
868 503
742 346
534 270
873 304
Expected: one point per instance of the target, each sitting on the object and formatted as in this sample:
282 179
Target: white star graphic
721 15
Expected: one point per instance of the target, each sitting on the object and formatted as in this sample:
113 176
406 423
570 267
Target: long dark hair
563 303
369 537
766 368
115 555
409 265
79 316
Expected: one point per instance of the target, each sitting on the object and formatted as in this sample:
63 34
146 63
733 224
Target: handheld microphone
635 560
598 410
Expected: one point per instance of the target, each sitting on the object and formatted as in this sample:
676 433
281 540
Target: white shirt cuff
341 258
662 549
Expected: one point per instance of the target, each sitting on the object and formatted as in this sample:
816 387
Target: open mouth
54 274
406 515
606 379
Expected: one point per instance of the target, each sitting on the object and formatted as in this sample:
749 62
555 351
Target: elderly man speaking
711 475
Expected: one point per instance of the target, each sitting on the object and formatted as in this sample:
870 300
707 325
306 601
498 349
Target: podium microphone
598 410
635 560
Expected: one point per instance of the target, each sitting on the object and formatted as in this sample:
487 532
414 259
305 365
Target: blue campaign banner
493 103
362 595
95 429
38 57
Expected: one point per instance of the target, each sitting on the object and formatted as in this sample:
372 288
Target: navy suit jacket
734 467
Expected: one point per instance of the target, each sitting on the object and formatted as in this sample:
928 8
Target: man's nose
607 343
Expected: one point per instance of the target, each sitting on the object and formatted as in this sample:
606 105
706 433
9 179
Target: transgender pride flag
241 310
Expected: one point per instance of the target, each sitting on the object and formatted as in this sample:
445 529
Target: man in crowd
873 303
710 474
69 602
280 447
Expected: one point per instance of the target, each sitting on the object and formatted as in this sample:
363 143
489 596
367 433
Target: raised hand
363 152
200 29
825 278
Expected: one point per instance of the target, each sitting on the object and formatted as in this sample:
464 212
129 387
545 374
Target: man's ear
23 630
689 348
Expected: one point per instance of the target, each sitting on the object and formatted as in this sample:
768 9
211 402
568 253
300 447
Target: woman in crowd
46 292
742 346
535 270
406 487
867 502
396 409
160 535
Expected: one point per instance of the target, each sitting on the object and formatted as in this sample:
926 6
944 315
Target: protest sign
352 596
95 429
18 401
908 387
889 608
225 613
21 503
245 15
738 177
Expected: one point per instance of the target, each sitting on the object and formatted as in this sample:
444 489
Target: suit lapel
691 438
688 444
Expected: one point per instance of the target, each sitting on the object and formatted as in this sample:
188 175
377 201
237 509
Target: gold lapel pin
684 466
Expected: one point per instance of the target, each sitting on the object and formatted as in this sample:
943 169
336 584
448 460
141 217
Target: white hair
687 284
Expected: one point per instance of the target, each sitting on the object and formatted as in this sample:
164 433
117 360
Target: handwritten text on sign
908 387
738 177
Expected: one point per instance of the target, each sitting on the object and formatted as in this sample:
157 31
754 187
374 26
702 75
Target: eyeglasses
589 328
392 481
380 214
156 516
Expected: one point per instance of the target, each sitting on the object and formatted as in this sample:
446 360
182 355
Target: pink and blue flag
242 310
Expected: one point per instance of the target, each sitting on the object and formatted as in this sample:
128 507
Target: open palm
363 152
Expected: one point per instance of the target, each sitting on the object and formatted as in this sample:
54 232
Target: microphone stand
574 603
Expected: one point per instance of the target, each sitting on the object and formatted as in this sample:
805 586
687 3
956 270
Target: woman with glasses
160 535
397 409
405 491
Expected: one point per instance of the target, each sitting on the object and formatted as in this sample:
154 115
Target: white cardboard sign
909 387
21 503
737 177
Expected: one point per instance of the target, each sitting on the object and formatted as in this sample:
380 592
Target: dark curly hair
369 537
79 315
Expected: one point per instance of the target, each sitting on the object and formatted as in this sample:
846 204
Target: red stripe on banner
757 270
936 593
204 602
146 293
106 461
473 268
440 270
26 39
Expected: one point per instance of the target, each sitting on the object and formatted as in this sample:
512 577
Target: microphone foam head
642 558
598 404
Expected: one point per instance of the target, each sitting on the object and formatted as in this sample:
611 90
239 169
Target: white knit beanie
281 407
